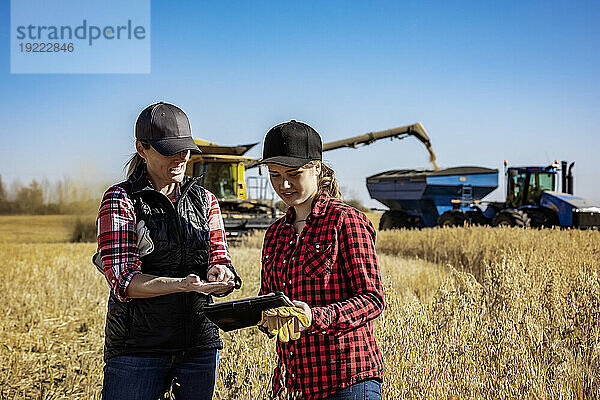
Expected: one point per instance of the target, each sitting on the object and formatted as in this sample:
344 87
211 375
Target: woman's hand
307 311
285 322
222 274
193 283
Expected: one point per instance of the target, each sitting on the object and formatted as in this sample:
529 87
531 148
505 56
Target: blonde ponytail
326 182
135 161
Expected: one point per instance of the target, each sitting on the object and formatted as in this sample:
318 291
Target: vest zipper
184 296
183 260
175 208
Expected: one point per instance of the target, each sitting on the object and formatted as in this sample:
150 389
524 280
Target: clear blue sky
513 80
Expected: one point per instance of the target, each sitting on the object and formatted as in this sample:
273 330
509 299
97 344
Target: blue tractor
453 196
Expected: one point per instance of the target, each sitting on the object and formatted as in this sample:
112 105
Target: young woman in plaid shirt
322 255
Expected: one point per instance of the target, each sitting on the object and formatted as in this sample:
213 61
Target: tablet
243 313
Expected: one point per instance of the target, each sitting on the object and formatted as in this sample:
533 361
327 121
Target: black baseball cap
292 144
166 128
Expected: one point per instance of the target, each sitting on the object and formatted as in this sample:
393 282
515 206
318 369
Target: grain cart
420 198
454 196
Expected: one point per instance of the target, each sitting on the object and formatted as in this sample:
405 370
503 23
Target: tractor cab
525 185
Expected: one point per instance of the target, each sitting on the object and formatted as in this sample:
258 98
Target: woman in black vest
162 249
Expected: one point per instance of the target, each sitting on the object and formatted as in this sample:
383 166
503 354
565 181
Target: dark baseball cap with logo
166 128
292 144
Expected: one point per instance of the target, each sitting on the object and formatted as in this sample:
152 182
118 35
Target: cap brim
170 146
292 162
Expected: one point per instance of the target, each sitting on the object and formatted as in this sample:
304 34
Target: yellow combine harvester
222 170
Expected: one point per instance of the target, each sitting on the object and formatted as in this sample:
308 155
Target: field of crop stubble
471 313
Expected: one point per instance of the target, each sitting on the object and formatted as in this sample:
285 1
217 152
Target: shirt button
317 246
284 261
291 353
291 242
293 375
283 284
112 280
290 281
293 258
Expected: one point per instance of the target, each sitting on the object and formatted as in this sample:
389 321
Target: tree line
66 196
42 197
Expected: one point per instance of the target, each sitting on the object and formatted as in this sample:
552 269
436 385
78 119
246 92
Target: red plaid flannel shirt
333 267
117 239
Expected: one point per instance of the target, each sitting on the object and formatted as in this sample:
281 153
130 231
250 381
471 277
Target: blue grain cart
419 198
453 196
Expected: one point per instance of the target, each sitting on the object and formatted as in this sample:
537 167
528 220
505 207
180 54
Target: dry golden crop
470 313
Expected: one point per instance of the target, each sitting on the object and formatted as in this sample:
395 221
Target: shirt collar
141 181
319 206
177 188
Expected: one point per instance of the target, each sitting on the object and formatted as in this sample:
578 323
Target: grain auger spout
417 130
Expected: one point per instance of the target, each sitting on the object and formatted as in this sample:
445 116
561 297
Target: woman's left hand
220 273
307 311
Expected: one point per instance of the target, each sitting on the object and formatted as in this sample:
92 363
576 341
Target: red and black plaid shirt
332 267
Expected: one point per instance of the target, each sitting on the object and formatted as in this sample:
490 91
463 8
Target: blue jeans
148 378
364 390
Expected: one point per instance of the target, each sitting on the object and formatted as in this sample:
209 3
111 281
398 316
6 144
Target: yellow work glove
285 322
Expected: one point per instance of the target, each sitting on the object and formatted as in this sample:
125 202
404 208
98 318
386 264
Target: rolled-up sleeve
219 253
117 240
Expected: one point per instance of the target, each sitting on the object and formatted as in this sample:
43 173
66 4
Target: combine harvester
453 197
222 170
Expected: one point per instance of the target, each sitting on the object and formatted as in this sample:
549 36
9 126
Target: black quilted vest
172 324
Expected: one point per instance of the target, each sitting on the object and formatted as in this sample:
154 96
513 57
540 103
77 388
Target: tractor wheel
476 217
540 218
452 218
393 220
511 217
